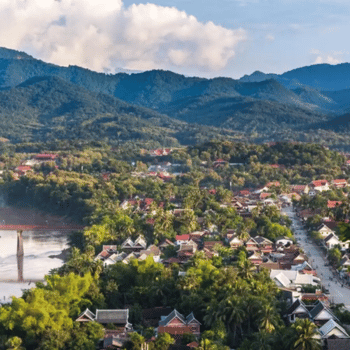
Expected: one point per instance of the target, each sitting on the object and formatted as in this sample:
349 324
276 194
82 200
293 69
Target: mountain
338 124
39 100
243 113
318 76
49 108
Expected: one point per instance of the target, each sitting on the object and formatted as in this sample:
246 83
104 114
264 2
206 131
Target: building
176 325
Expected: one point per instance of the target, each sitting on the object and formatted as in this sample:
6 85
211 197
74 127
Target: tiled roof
338 344
88 314
318 308
318 183
171 316
182 237
329 326
333 204
112 316
295 305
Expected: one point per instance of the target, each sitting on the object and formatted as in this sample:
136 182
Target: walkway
338 294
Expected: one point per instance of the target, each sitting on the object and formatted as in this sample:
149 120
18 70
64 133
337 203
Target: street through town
329 278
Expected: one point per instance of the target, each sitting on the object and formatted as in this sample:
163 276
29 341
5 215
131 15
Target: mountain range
42 101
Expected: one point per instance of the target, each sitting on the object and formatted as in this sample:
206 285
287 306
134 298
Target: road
338 294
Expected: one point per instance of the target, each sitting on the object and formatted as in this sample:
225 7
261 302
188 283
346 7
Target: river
40 249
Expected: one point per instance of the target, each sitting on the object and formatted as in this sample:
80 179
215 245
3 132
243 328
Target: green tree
163 341
307 335
15 343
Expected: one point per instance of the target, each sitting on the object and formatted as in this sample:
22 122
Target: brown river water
40 249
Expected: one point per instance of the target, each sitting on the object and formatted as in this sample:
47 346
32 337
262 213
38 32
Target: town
219 246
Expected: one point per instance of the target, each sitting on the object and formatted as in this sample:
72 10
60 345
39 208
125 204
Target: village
275 246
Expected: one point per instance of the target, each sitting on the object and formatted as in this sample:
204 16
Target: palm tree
15 343
308 339
262 341
246 269
233 313
268 318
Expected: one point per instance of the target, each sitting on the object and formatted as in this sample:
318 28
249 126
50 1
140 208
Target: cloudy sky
193 37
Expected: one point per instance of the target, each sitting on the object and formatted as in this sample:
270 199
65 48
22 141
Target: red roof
220 161
339 181
275 183
150 221
244 193
182 237
23 168
148 201
333 204
194 344
318 183
265 195
213 191
46 155
274 166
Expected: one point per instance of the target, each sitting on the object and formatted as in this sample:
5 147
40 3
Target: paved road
338 294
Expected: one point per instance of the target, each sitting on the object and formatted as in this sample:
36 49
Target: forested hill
41 101
49 108
319 76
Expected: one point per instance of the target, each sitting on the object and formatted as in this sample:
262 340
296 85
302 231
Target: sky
193 37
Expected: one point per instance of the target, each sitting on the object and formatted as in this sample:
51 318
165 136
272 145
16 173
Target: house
187 250
118 317
325 230
300 189
319 185
320 314
305 266
251 244
153 251
331 241
264 244
23 169
283 241
345 262
182 239
333 204
290 278
339 183
136 246
297 310
176 325
235 242
274 183
46 157
255 258
333 329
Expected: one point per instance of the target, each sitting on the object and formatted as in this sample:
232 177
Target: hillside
322 77
243 113
48 108
41 101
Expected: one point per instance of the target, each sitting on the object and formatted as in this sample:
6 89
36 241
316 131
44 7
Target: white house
332 328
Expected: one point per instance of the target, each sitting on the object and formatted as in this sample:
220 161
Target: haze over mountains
41 101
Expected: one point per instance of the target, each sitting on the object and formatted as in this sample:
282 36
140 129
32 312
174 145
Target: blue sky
197 37
281 34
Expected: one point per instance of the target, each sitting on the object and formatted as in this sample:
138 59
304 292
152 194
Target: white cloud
103 35
270 37
334 57
326 59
